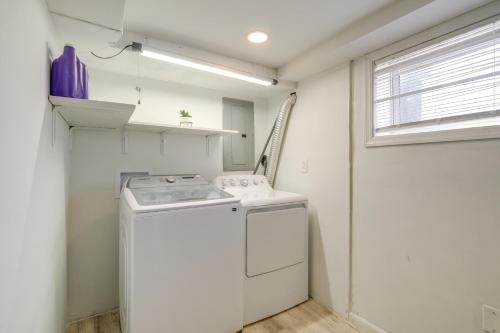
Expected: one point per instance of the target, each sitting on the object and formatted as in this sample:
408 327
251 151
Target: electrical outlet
304 166
491 319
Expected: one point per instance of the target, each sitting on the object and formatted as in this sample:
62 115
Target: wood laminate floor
309 317
105 323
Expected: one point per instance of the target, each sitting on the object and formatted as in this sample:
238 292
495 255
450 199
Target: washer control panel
241 181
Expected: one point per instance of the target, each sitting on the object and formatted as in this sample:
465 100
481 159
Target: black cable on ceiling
134 45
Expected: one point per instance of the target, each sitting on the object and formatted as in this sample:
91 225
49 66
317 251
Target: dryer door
275 239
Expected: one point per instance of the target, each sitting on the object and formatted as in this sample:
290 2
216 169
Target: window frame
434 35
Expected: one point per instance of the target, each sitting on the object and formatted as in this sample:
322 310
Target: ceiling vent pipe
276 136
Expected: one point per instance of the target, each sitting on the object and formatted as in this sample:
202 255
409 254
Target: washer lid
163 195
165 180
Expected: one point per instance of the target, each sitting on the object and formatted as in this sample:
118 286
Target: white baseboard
364 325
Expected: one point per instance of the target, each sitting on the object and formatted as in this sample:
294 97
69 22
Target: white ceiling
107 13
395 22
221 26
306 36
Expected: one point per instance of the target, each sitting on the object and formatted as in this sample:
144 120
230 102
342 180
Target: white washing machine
180 257
275 238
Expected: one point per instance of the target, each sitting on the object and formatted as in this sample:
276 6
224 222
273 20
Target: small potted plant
185 118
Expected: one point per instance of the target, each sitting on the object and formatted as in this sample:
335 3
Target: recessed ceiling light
257 37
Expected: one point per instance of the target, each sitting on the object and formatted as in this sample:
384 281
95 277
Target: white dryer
275 239
180 257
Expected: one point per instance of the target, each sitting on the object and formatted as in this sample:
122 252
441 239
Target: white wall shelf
89 113
165 129
175 129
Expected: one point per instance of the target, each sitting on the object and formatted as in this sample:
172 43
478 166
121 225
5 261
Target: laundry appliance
180 256
275 275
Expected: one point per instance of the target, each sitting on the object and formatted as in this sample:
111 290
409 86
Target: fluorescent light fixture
206 67
257 37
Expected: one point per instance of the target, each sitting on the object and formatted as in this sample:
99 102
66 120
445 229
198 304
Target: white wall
318 132
425 231
425 217
33 196
96 155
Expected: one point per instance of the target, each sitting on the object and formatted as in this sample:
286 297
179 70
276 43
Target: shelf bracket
54 124
208 142
70 143
124 140
207 138
53 121
163 143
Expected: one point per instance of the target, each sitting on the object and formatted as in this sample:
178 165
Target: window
450 84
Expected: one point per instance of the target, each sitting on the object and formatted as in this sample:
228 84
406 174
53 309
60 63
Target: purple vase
69 76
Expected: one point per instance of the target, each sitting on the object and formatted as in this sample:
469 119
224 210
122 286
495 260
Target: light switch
491 319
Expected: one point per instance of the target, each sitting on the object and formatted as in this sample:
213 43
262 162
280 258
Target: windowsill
441 135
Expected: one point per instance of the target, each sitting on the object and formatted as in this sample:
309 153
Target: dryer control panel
242 181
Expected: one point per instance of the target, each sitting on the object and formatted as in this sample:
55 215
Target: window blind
451 81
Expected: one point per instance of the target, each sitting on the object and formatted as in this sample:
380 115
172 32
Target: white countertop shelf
89 113
175 129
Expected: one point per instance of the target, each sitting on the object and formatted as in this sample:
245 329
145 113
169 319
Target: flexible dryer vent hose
278 135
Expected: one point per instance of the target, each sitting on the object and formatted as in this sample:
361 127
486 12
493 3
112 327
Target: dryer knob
170 179
244 182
